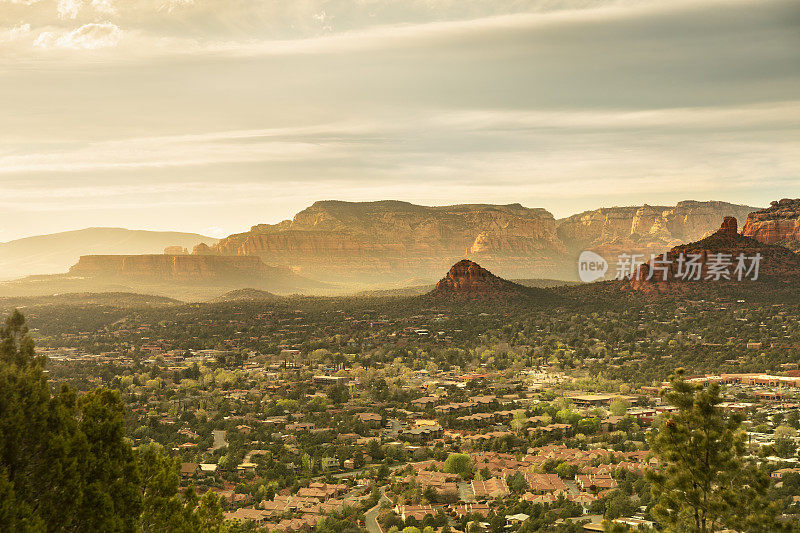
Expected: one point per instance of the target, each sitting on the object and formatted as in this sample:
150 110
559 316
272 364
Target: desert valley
399 266
315 375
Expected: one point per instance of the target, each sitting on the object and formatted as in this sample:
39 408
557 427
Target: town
367 414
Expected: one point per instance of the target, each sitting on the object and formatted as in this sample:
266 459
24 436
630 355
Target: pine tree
65 464
39 445
702 483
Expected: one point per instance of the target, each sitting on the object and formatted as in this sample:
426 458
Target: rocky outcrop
730 226
176 250
55 253
181 273
777 224
202 249
466 280
723 257
644 229
391 240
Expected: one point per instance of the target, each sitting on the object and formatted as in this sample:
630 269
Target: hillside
774 269
78 299
245 295
56 252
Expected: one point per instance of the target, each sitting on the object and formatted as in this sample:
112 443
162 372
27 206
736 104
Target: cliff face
775 263
170 267
397 240
391 241
55 253
779 223
644 229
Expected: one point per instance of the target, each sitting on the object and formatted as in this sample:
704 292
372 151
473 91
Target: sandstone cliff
170 267
777 224
775 263
55 253
180 276
644 229
391 240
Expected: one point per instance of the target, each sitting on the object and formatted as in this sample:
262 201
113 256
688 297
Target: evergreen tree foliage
703 483
65 464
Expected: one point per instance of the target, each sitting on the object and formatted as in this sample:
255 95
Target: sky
212 116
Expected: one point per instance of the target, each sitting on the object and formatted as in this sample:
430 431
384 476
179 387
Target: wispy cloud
89 36
245 111
144 31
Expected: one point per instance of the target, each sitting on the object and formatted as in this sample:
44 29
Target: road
465 492
573 488
372 515
219 439
394 428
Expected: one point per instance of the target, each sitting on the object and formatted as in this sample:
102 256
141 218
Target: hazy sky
215 115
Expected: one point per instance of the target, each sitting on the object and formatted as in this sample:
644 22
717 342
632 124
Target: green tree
619 406
703 484
42 453
459 463
65 464
619 504
339 394
308 464
517 482
160 475
111 498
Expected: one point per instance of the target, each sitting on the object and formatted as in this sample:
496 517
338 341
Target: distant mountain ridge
387 241
374 244
645 229
392 240
57 252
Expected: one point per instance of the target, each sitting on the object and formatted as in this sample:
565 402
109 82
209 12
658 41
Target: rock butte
779 223
468 280
777 263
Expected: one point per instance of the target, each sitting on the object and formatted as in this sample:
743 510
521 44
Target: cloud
173 5
269 145
537 151
256 109
87 37
104 7
249 27
69 9
18 32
